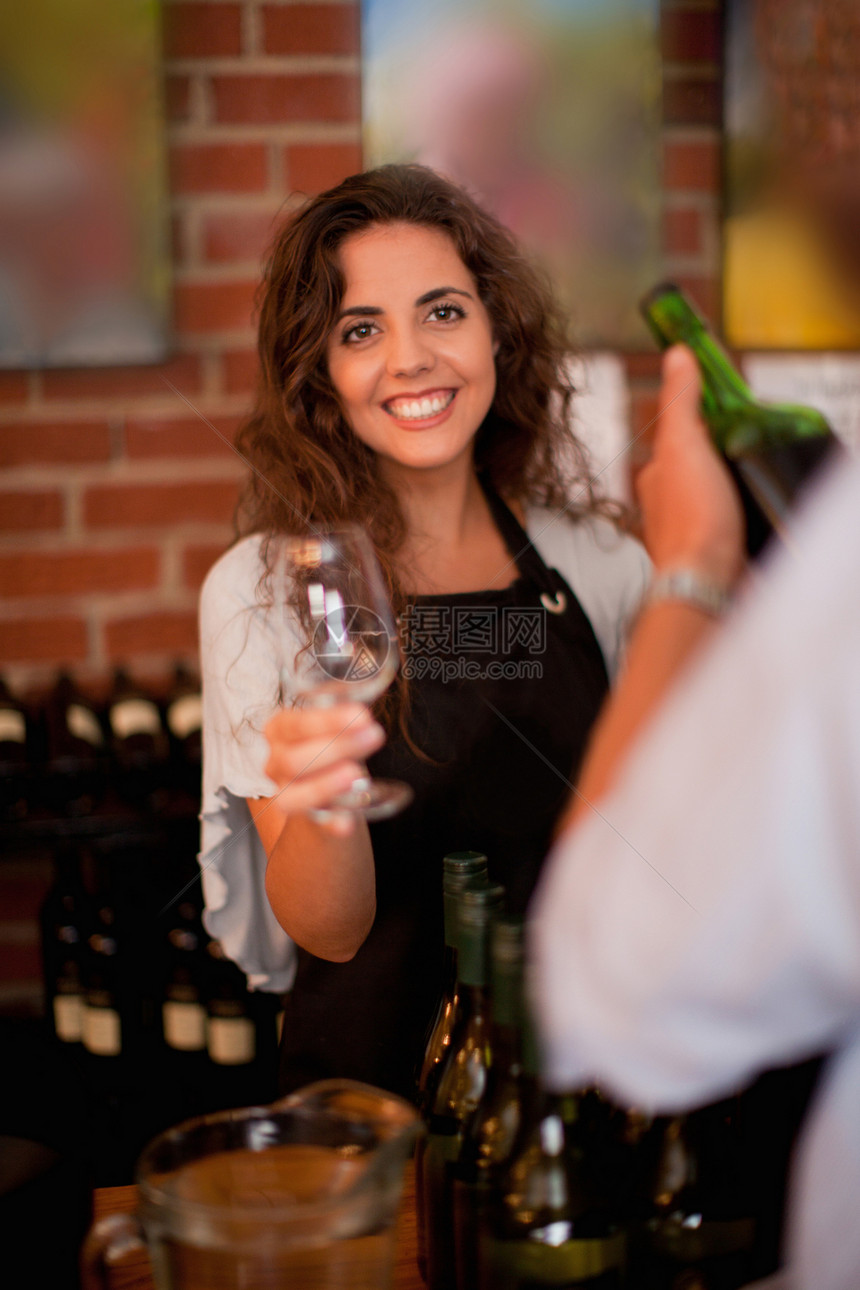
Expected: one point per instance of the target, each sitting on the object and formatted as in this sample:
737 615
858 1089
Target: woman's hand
691 512
315 753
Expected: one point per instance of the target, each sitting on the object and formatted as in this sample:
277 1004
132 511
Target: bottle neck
673 321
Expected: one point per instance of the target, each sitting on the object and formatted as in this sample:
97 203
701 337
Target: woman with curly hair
413 382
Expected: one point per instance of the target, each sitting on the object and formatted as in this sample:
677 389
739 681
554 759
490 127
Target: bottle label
84 724
102 1033
69 1017
531 1263
134 717
230 1040
185 715
184 1026
13 727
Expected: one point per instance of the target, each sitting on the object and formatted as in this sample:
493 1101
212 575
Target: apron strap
528 559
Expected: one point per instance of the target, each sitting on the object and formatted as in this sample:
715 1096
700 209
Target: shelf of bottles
157 1023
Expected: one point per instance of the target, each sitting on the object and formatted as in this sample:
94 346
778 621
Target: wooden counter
133 1273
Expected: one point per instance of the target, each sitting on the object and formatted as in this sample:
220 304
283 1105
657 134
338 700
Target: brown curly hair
308 468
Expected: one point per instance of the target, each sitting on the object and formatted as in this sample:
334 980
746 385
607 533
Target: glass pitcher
299 1195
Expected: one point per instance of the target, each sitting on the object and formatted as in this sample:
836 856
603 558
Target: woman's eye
447 312
359 331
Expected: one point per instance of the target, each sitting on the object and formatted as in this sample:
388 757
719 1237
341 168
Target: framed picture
548 111
791 264
84 268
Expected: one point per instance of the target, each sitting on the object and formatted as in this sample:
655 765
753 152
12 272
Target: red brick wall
115 496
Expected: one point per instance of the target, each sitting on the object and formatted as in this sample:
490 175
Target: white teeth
417 408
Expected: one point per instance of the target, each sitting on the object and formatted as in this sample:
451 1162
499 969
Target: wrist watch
691 588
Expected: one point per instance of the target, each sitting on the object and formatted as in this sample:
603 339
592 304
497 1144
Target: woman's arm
320 878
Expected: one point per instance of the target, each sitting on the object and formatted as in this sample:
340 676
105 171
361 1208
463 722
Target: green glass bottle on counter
460 870
695 1224
550 1222
490 1133
771 449
462 1075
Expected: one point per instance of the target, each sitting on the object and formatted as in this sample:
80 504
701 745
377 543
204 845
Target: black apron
504 688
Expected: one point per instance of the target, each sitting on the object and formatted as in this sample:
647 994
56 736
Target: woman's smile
412 348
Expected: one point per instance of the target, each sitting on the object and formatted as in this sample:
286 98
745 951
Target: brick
218 168
58 639
692 166
690 36
121 506
682 232
240 368
241 235
170 632
70 573
197 561
691 101
311 168
13 387
213 306
179 436
311 29
30 511
123 382
177 99
202 30
59 442
642 366
705 293
281 99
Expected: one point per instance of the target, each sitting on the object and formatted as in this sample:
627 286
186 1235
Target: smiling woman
412 383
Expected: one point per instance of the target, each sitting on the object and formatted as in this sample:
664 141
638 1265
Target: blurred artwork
83 233
792 114
548 111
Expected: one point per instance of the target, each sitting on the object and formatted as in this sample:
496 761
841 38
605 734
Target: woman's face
411 356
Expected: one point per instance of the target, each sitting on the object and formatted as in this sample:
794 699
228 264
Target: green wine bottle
461 1081
489 1134
696 1218
460 870
772 449
550 1223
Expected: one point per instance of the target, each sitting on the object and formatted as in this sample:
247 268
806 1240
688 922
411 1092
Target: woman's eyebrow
374 311
441 291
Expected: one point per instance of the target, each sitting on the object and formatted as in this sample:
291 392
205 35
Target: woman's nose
408 353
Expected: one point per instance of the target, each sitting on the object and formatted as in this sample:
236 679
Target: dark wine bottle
139 742
15 756
183 1006
551 1222
183 716
491 1131
105 1028
460 870
65 919
75 750
696 1223
460 1082
231 1033
772 449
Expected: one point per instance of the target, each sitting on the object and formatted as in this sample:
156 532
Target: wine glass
344 645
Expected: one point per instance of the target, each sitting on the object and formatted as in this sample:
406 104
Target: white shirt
241 649
704 921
